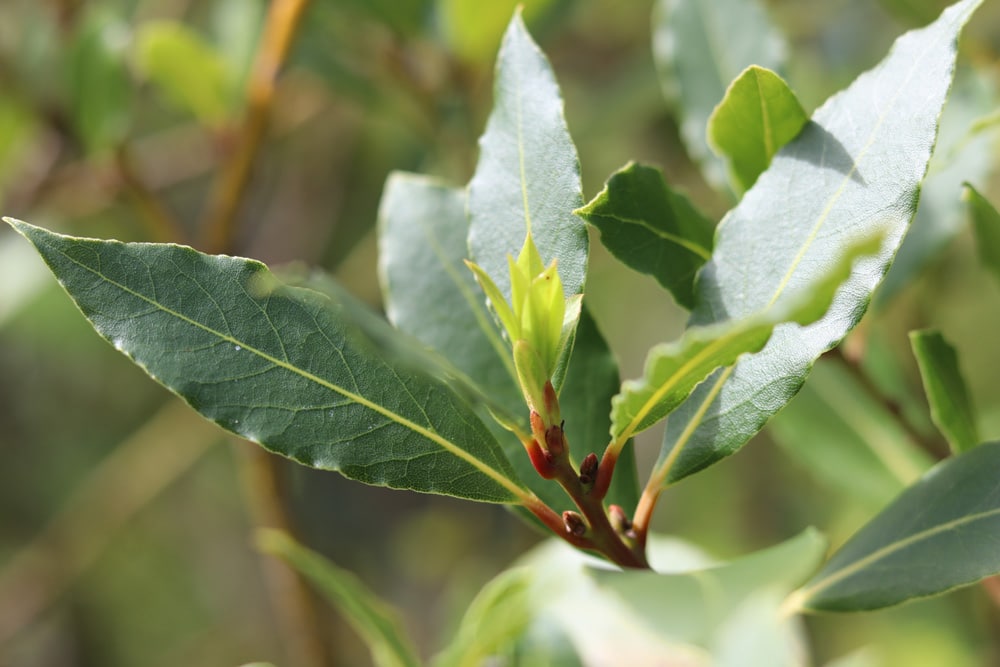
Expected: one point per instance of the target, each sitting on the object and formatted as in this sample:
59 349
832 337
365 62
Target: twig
162 225
283 20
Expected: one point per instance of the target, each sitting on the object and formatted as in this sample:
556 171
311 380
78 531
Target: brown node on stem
588 469
620 522
575 525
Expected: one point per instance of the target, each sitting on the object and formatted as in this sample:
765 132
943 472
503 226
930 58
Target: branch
163 226
283 19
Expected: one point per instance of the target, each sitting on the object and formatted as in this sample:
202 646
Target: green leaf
673 370
855 169
951 406
97 80
699 48
964 152
935 537
758 115
430 294
651 228
186 70
278 365
528 174
497 616
986 225
846 438
374 621
591 382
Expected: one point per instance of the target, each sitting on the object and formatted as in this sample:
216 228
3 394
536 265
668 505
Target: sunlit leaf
528 174
931 539
855 169
652 228
951 406
278 365
758 115
374 621
700 47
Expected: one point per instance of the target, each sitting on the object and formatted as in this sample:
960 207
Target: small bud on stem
588 470
575 525
620 521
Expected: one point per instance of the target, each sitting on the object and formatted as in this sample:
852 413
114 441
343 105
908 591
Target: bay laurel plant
491 382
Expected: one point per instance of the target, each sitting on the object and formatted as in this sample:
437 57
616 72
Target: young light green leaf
699 48
651 228
986 225
473 29
185 69
951 406
846 438
374 621
497 616
758 115
929 540
278 365
855 168
673 370
528 175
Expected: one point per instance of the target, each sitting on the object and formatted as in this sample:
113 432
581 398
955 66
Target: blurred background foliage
126 522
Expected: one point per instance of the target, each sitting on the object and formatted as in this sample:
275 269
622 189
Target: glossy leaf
951 405
963 153
98 81
278 365
185 69
986 225
855 169
528 174
929 540
758 115
651 228
846 438
700 47
673 370
374 621
498 615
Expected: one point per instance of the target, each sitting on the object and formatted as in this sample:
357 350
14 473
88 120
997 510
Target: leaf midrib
426 432
688 245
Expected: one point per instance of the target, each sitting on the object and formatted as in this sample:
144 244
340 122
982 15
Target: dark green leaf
845 437
699 48
278 365
528 174
986 224
938 535
855 169
186 70
371 618
673 370
98 82
951 406
758 115
651 228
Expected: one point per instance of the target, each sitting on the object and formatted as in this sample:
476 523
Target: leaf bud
588 469
575 525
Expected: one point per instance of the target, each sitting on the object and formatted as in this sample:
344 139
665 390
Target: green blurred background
126 524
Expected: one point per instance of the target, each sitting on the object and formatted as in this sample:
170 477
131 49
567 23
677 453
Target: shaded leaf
673 370
651 228
528 174
498 615
845 437
855 169
278 365
935 537
758 115
186 69
986 225
951 406
374 621
699 48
